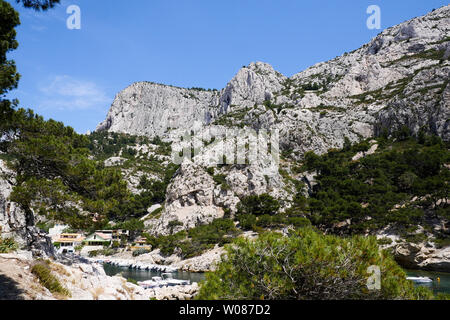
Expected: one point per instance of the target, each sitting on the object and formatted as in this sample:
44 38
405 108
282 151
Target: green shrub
264 221
299 222
157 213
195 241
173 224
442 242
259 205
306 265
93 253
116 244
247 221
7 245
45 226
48 280
221 180
384 241
103 252
139 252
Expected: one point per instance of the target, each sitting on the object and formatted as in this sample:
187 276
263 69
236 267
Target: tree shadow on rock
9 289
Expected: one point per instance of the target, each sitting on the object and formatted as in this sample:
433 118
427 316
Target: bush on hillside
48 280
7 245
306 266
259 205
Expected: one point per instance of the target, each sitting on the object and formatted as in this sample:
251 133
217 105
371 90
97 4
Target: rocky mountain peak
151 109
399 78
252 85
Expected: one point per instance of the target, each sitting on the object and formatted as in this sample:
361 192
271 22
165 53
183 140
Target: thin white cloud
38 28
67 93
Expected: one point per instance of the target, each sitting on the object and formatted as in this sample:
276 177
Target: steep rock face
424 255
146 108
426 104
251 85
16 223
399 78
13 222
421 256
197 197
189 201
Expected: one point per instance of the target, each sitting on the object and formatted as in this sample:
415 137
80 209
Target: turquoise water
442 286
143 275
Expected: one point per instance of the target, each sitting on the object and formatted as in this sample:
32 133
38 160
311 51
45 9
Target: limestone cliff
16 223
399 78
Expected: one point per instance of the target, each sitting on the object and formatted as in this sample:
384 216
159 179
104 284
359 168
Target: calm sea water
442 286
143 275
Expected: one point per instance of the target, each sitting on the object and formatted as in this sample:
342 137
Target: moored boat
420 279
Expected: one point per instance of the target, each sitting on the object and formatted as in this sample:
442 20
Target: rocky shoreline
83 279
424 256
203 263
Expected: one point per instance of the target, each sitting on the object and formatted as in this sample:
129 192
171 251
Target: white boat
171 282
420 279
177 282
166 280
156 282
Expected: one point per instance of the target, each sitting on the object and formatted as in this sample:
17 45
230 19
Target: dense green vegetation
367 191
307 265
57 177
139 252
104 144
262 212
259 205
154 191
195 241
9 77
311 86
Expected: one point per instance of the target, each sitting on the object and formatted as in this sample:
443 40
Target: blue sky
73 75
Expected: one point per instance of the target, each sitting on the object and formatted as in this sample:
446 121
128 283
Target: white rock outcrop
16 223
